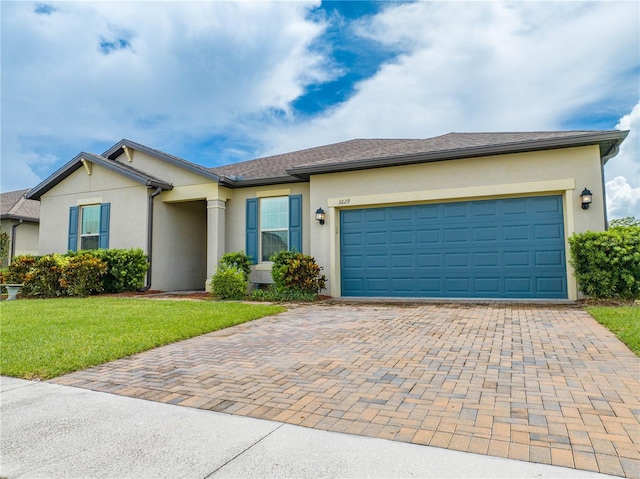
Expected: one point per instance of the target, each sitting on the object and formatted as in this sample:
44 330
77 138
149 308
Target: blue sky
219 82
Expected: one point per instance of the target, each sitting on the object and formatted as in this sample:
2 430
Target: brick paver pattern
538 383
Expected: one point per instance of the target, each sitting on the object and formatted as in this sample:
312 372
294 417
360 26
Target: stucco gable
89 158
120 149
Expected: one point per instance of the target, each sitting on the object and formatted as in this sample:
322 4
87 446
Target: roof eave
599 138
75 164
259 181
29 219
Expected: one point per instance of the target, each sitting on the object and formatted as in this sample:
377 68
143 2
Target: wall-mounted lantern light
586 198
320 216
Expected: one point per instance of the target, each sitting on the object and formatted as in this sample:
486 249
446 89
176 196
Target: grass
623 321
42 339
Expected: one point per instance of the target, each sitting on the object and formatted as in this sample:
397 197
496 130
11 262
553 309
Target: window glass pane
89 242
272 242
274 213
90 220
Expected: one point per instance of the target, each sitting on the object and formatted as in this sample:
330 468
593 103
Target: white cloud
482 66
627 162
622 199
156 72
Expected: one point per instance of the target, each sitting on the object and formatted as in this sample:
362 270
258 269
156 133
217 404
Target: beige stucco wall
179 245
565 171
128 215
26 240
235 237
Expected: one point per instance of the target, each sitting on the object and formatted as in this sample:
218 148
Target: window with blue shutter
295 223
273 224
73 228
252 229
105 211
89 226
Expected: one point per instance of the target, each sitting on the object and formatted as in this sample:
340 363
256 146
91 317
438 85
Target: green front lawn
42 339
623 321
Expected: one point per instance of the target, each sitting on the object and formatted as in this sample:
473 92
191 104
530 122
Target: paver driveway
537 383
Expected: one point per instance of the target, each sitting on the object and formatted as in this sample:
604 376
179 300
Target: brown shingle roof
372 153
13 205
276 166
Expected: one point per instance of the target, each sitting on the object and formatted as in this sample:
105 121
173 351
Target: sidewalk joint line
242 452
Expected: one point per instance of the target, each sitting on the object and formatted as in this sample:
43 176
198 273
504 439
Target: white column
216 210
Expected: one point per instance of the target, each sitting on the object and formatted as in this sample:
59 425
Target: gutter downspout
613 151
157 191
12 253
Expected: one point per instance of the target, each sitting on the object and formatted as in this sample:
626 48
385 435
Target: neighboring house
19 218
477 215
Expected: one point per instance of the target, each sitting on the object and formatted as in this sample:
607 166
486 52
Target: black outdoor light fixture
586 198
320 216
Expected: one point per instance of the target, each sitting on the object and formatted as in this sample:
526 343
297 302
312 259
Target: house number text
344 201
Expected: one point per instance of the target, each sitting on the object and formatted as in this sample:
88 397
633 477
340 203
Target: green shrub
3 279
280 266
19 267
5 245
82 275
607 264
239 260
297 272
79 274
229 282
126 269
44 278
282 295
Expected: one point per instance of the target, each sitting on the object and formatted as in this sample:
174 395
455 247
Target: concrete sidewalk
49 430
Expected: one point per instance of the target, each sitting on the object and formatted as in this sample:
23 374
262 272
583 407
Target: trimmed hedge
229 282
78 274
607 264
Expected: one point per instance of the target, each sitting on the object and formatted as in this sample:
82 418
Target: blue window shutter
73 228
105 211
295 223
252 229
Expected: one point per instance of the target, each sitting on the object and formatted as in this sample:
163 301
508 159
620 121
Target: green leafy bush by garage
78 274
239 260
296 277
607 264
229 282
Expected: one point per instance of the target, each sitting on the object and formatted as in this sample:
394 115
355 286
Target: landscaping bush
43 279
79 274
126 269
297 272
278 295
229 282
239 260
19 267
82 275
607 264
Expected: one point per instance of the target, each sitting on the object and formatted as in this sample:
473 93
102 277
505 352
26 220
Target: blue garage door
506 248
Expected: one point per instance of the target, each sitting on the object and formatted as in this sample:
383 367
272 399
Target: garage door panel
456 235
517 259
512 248
486 233
431 236
548 258
401 237
352 239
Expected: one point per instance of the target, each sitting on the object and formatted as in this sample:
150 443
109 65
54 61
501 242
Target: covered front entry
500 248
